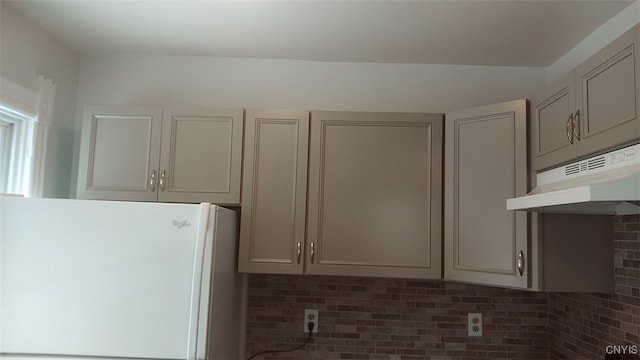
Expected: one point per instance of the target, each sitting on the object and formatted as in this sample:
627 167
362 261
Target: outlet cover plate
474 324
310 315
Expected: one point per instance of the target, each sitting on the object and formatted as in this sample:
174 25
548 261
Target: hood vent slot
586 165
572 169
596 163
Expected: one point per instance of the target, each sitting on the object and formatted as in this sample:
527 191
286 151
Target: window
25 117
16 160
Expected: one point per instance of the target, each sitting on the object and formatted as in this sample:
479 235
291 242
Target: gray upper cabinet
201 155
274 192
608 98
147 154
485 164
593 108
374 205
371 205
552 138
120 148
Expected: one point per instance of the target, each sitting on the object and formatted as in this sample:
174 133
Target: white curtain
44 106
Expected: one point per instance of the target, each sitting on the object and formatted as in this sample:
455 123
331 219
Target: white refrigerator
82 279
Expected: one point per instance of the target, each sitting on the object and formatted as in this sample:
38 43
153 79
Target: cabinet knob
152 181
520 262
576 125
299 251
570 124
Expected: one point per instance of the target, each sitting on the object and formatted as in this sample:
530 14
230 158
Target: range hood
606 184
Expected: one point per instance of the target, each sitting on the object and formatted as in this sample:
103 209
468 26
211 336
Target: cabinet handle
313 253
299 252
161 182
520 262
152 181
570 128
576 125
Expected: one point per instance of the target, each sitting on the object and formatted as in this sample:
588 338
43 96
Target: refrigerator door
99 279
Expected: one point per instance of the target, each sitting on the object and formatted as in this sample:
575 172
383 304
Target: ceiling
477 32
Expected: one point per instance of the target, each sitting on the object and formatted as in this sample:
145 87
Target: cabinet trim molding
338 143
482 239
175 119
458 124
627 53
95 118
259 123
563 92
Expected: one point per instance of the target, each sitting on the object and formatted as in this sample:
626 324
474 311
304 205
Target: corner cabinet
594 108
274 184
374 204
155 154
485 164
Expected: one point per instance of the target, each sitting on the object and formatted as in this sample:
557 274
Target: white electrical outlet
474 324
310 316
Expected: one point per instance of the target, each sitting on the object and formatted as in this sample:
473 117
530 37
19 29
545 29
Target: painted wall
250 83
26 51
598 39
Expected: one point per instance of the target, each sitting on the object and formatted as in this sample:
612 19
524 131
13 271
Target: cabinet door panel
201 155
485 165
480 207
119 153
274 192
609 85
373 194
551 144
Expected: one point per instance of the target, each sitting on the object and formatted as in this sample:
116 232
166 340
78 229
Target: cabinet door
375 194
119 153
201 155
274 190
609 99
553 141
485 164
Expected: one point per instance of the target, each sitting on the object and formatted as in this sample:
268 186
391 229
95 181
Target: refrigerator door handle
200 288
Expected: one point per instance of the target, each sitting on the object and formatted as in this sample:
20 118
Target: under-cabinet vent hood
606 184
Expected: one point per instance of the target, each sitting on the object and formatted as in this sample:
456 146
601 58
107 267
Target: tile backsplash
581 326
375 318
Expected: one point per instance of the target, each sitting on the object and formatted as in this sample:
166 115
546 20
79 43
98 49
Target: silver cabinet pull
161 182
152 181
313 253
299 252
570 124
576 125
520 262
